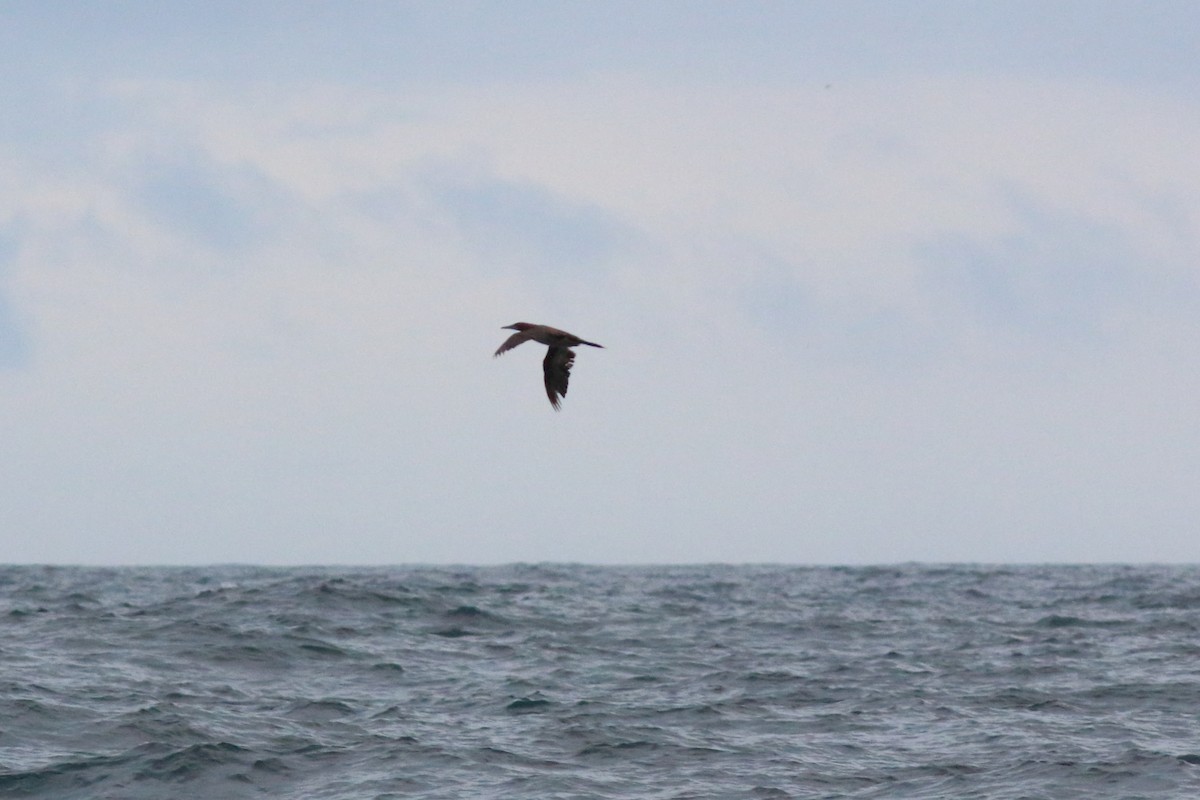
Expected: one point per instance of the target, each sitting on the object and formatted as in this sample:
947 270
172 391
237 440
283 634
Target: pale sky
877 281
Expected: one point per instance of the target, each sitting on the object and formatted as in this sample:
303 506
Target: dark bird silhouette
557 364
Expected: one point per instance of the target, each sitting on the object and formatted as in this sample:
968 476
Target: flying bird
557 364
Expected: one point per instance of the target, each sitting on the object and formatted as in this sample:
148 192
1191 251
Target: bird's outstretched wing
557 368
512 341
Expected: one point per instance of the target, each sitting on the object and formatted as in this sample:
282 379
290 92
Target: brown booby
557 364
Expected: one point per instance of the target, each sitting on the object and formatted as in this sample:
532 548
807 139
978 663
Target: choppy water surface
584 682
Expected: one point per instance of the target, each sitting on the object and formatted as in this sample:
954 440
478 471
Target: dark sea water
586 682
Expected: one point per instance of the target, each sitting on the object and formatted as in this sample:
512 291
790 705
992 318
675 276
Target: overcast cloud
877 282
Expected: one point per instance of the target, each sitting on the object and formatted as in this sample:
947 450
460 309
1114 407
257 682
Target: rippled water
583 682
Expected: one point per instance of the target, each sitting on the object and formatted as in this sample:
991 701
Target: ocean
569 681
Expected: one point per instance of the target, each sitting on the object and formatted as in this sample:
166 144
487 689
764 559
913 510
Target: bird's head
517 326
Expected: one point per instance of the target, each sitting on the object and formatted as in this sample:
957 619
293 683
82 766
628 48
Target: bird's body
556 366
